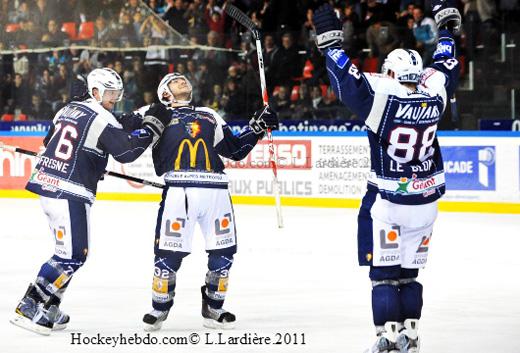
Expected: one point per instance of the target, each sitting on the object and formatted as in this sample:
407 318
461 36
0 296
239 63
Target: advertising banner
314 169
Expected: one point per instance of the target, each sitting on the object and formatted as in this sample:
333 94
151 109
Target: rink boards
316 169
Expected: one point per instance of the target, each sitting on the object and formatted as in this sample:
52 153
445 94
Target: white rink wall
328 169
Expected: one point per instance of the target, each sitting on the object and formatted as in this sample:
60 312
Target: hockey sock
410 295
385 294
164 280
53 277
214 292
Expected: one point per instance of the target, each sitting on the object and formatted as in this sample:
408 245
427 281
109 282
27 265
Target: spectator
193 75
217 58
41 14
53 37
316 96
21 14
60 81
102 31
156 7
215 20
206 81
281 103
133 6
43 85
270 53
425 32
382 38
302 107
216 98
39 109
175 17
196 19
20 94
28 34
6 91
350 25
126 29
288 64
63 101
233 102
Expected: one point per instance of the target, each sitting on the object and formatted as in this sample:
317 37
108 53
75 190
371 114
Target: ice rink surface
303 279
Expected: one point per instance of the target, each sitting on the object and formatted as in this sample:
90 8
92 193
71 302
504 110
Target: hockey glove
156 119
130 121
329 33
264 119
446 15
78 89
445 46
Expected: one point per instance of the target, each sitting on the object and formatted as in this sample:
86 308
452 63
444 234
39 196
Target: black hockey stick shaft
107 172
241 18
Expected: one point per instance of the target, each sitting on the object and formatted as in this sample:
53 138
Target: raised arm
349 85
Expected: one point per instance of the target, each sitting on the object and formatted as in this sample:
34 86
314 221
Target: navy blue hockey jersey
406 161
76 154
188 153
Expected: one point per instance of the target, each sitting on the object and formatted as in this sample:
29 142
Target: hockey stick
454 112
114 174
245 21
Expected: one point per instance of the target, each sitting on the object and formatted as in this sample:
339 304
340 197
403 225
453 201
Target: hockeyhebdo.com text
203 338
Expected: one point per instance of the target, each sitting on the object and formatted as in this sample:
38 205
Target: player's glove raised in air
156 119
446 15
130 121
78 89
329 33
264 119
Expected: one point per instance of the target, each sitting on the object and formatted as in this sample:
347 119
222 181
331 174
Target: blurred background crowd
136 39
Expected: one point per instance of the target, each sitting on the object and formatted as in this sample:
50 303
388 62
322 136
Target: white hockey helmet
406 65
164 88
106 81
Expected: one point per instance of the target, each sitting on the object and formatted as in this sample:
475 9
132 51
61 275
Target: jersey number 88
404 145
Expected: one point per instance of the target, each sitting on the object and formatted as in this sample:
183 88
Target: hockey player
188 155
84 134
401 108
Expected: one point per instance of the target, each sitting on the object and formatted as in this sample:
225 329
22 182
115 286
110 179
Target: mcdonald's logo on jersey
193 151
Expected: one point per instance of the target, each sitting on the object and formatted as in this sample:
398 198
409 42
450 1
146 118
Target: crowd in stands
36 84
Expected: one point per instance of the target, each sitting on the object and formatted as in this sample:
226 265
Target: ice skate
61 322
34 315
153 321
215 318
408 339
386 340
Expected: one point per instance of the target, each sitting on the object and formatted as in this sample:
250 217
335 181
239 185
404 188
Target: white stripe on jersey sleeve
433 82
219 131
101 121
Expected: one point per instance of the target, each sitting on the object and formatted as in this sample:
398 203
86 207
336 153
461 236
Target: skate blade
27 324
213 324
59 327
152 328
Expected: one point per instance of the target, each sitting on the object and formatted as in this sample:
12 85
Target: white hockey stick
245 21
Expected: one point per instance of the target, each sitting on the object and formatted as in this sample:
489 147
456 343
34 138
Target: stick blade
240 17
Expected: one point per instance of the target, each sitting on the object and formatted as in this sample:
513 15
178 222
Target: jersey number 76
65 146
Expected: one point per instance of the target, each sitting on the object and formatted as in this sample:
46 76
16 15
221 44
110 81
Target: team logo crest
193 129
